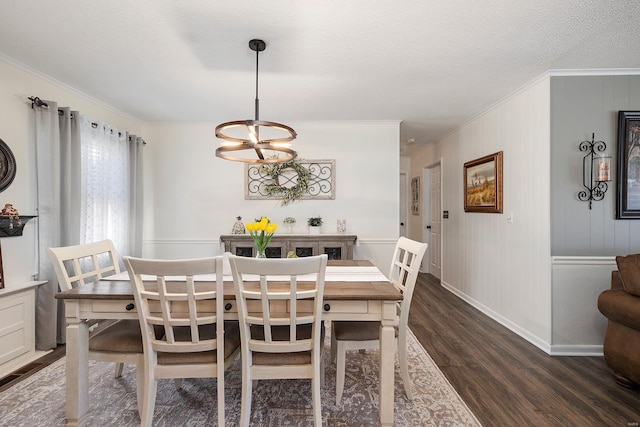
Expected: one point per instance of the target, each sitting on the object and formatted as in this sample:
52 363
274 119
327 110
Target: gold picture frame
483 184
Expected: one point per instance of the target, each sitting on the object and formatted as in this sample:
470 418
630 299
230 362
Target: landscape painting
483 184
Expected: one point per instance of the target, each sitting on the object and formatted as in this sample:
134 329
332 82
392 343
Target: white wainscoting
578 327
517 329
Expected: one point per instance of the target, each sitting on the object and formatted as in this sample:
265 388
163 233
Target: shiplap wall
580 106
501 268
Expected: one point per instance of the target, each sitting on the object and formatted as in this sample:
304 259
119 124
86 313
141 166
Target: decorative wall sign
483 184
291 181
7 166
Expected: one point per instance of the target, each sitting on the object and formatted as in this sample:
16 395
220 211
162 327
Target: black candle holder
596 186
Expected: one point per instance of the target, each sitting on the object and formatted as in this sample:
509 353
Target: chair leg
315 395
245 409
118 373
177 382
334 345
149 403
340 362
140 372
404 368
322 370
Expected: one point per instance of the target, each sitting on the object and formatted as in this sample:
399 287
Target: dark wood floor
505 380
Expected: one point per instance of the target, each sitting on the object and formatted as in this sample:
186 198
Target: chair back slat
405 267
278 283
185 315
79 264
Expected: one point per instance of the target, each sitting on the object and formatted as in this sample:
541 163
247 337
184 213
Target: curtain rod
37 102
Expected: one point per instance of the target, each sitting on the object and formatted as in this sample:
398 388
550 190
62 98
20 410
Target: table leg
387 363
77 371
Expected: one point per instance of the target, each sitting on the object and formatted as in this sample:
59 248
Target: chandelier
268 147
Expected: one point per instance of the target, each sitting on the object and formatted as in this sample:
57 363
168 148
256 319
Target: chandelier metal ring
223 127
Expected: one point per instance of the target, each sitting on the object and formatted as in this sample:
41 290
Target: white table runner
332 274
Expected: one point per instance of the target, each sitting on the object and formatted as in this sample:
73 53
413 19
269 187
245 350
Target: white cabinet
17 327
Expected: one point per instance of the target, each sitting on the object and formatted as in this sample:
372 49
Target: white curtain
111 193
104 198
89 189
57 135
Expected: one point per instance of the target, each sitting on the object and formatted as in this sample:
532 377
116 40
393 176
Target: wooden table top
333 290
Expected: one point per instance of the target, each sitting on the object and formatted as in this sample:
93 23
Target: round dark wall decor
7 166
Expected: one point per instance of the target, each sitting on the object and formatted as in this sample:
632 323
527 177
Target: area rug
40 399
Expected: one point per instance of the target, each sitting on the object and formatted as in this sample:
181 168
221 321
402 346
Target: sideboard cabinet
336 246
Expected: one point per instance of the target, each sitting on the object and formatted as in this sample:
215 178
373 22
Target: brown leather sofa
621 305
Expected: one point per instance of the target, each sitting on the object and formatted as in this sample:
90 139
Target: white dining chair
120 342
280 323
196 341
357 335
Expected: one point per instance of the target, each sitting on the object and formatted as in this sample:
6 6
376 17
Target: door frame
426 188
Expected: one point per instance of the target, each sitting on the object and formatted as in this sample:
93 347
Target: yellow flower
249 226
271 228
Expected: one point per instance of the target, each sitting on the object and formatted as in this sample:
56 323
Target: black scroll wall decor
291 181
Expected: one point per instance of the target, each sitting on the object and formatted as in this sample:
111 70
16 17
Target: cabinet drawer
335 306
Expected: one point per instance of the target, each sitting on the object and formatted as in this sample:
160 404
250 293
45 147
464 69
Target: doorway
404 201
432 219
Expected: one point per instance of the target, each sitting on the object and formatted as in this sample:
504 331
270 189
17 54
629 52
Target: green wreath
287 194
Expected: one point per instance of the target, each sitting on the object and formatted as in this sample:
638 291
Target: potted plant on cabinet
314 224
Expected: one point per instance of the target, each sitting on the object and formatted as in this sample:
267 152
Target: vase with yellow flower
261 232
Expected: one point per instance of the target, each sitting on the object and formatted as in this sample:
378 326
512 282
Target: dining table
353 290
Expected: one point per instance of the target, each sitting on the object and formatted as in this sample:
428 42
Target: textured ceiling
431 64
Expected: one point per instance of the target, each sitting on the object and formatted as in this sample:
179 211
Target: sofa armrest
616 281
620 307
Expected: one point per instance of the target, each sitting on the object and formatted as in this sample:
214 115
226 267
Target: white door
404 204
436 222
432 263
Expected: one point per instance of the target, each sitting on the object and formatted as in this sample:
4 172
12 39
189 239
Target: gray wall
579 106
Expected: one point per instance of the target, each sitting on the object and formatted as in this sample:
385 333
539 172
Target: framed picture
483 184
415 195
628 162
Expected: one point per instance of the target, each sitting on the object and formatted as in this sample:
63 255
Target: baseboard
536 341
20 361
576 350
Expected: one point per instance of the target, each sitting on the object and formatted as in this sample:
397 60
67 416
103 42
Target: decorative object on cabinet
289 222
483 184
595 170
252 141
415 195
11 226
336 246
314 224
341 226
7 166
261 232
238 226
628 166
291 181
